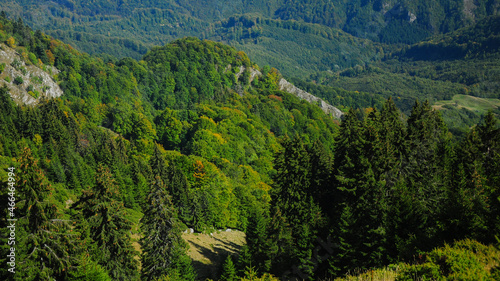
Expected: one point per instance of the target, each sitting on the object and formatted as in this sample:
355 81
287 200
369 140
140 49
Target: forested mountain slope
129 28
180 118
447 67
184 138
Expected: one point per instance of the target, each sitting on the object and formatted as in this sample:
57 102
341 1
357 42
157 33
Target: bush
18 80
16 63
32 58
466 260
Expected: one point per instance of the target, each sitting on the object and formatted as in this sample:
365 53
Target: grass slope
208 251
475 104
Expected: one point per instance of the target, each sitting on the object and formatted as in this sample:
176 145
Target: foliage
465 260
103 217
162 246
315 199
228 270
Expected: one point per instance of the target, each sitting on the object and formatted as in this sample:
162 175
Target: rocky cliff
26 81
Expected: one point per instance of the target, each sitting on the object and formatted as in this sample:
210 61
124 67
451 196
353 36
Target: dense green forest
442 69
181 139
129 27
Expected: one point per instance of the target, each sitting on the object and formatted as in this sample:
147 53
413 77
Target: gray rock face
301 94
39 79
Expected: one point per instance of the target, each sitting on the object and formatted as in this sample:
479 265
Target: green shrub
426 271
18 80
2 67
32 58
16 63
465 260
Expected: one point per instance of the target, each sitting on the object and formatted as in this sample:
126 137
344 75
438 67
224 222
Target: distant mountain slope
128 28
476 41
463 62
295 48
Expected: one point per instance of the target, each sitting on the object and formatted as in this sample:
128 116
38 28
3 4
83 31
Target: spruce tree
362 192
228 270
424 173
162 245
257 240
103 217
294 197
47 248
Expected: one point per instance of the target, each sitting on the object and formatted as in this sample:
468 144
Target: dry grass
386 274
209 251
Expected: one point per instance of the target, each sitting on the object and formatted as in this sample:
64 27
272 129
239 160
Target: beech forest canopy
187 136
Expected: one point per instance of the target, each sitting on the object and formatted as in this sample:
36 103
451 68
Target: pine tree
162 245
358 150
104 218
159 166
179 188
391 132
280 242
350 162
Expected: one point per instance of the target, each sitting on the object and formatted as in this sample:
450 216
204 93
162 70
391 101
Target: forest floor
209 252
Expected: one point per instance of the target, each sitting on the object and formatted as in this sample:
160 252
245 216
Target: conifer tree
162 244
47 247
295 199
104 218
391 132
350 162
159 166
257 240
423 170
228 270
280 241
179 188
358 148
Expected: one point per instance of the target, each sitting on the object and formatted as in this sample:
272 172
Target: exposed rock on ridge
40 81
301 94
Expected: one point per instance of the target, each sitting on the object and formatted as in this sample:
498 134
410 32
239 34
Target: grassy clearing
385 274
475 104
135 217
208 252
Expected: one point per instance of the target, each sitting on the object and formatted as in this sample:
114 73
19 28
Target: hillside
185 113
26 80
464 62
129 28
196 135
467 260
